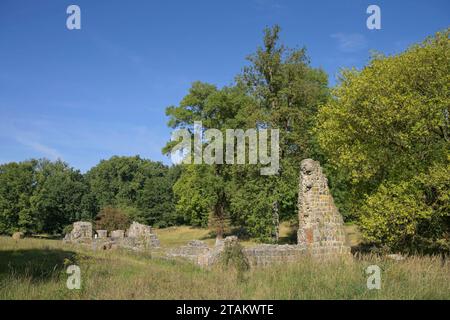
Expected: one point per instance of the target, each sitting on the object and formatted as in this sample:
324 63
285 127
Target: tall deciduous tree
278 90
387 125
16 188
140 187
57 197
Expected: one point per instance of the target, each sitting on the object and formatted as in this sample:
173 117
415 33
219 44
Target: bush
234 257
68 229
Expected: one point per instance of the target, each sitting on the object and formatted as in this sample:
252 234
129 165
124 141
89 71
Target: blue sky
85 95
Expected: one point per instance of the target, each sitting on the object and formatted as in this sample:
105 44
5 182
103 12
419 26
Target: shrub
234 257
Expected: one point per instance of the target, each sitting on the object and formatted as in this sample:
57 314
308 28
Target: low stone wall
138 237
196 251
267 254
199 253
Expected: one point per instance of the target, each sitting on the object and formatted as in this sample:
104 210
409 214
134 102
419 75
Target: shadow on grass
289 238
35 264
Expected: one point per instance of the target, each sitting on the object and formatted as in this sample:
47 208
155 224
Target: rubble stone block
102 234
117 234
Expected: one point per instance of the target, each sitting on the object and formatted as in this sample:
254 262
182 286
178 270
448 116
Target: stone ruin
320 235
138 237
81 232
321 227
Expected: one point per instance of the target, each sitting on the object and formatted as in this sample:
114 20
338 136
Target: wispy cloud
350 42
46 151
81 142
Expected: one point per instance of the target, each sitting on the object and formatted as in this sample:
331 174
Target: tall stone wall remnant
321 231
320 235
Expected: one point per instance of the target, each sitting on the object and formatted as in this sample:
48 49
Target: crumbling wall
321 230
138 237
320 235
267 254
143 235
196 251
199 253
81 232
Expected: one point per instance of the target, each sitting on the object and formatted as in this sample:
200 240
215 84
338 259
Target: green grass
181 235
35 269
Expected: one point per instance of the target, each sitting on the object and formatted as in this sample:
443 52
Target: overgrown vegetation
385 135
35 269
234 258
40 196
382 135
277 90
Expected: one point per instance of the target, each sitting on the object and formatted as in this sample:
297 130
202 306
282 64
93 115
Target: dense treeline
40 196
278 90
382 135
385 135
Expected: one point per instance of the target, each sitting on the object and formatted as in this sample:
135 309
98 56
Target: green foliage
277 90
67 229
112 219
411 215
142 188
233 257
390 120
384 134
57 197
16 188
40 196
196 193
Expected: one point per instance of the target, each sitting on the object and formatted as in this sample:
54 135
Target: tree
279 90
140 187
201 190
57 197
16 188
41 196
156 198
287 93
411 215
112 219
386 126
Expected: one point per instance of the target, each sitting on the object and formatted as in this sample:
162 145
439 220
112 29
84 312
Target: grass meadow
33 268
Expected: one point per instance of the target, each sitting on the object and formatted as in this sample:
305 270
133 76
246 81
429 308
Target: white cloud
46 151
350 42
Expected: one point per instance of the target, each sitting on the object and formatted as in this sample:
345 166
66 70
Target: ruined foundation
320 234
138 237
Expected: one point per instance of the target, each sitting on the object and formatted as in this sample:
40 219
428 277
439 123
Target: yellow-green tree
384 132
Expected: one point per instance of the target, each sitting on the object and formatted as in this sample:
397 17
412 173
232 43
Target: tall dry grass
35 269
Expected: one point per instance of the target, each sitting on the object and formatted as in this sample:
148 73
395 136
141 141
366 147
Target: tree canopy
385 134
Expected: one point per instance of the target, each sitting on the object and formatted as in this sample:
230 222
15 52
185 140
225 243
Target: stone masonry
81 232
321 230
320 234
138 237
143 235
